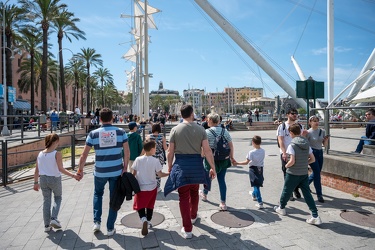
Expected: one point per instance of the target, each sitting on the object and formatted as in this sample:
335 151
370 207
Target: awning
19 105
365 96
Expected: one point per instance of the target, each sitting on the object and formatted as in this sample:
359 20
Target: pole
147 96
5 131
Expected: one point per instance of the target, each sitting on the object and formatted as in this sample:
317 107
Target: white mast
248 49
146 108
330 49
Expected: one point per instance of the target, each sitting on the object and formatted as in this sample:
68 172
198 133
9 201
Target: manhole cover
232 219
132 220
359 218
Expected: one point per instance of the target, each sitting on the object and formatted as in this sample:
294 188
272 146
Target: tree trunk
45 27
62 78
32 85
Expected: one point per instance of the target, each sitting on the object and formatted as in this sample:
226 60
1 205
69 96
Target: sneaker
96 227
186 235
259 205
252 195
297 194
223 207
111 232
149 224
355 152
279 210
194 220
47 229
321 199
291 198
55 224
202 195
144 226
314 221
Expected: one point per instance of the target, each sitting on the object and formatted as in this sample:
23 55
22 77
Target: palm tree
65 25
11 19
105 77
30 40
75 71
89 57
44 12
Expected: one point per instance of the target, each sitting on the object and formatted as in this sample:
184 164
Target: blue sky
189 50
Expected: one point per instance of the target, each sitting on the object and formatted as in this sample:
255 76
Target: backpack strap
213 132
320 132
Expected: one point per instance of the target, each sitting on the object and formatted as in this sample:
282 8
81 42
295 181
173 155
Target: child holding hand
144 169
48 169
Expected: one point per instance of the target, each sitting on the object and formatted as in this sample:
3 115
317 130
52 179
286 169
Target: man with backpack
284 139
222 148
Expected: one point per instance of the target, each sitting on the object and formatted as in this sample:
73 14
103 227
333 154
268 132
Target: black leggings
142 213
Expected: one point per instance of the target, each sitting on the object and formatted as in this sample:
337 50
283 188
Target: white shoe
149 224
279 210
96 227
259 205
314 221
47 229
111 232
252 195
144 226
186 235
55 224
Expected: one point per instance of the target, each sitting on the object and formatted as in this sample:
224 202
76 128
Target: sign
310 89
1 91
11 94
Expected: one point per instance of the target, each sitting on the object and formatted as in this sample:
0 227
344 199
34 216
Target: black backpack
277 138
221 149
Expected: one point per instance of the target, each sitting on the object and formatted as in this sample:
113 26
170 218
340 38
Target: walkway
21 223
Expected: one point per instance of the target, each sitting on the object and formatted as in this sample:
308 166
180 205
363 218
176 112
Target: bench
368 149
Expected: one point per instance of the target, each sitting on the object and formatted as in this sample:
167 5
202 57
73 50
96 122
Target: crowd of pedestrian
195 155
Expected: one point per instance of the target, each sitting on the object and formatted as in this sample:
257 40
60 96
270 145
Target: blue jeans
99 183
222 185
256 193
363 142
317 168
49 185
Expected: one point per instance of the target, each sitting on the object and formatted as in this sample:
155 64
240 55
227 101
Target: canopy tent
365 96
19 105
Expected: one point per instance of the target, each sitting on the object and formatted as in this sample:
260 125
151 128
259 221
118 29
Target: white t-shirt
290 150
284 132
147 167
256 157
47 164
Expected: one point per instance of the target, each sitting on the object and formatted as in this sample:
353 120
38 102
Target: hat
132 125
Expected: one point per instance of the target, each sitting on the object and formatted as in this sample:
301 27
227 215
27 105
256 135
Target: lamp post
5 130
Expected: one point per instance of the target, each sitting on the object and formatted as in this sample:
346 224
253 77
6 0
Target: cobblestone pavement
21 223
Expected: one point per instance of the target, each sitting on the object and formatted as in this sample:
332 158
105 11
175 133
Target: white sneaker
144 226
279 210
252 195
314 221
186 235
111 232
55 224
259 205
96 227
47 229
149 224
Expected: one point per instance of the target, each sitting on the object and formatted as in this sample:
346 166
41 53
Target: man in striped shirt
111 159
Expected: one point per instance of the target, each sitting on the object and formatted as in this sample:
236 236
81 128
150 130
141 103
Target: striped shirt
107 142
217 130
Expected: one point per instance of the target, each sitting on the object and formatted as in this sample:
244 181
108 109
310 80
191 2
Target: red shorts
145 199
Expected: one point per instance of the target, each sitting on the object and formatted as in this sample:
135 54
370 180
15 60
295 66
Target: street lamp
5 131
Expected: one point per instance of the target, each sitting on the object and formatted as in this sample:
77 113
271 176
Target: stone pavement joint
21 223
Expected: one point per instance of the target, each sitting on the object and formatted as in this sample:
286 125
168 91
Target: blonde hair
50 139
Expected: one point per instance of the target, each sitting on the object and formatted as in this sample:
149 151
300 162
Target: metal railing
347 117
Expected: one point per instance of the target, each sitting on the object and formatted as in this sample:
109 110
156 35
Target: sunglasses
294 113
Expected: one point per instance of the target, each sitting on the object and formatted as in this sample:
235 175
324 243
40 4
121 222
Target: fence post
73 151
4 157
39 127
22 128
326 127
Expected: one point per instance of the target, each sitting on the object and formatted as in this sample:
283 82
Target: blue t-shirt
107 142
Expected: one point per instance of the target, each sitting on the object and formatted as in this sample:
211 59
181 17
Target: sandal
202 195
